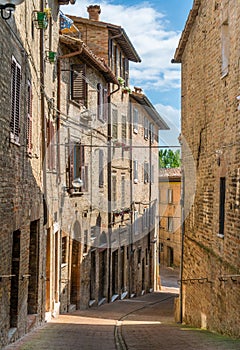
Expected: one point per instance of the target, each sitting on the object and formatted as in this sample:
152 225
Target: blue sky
154 27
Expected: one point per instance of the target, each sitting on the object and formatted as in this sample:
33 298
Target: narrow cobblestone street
141 323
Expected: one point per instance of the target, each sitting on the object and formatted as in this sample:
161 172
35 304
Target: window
152 174
76 165
116 60
151 132
225 47
102 111
170 224
114 190
222 205
124 128
51 154
169 195
135 171
146 172
15 100
79 84
85 243
101 173
135 120
115 124
126 70
146 128
135 223
29 118
123 190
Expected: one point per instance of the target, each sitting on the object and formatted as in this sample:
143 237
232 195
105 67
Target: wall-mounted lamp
7 7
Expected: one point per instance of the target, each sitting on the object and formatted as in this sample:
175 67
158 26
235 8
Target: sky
154 27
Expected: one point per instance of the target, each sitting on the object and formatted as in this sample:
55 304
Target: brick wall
211 130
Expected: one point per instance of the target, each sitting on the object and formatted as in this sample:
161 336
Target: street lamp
7 7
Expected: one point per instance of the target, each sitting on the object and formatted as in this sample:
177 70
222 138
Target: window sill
219 235
135 131
224 75
14 142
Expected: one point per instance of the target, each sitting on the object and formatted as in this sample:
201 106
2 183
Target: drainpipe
109 179
44 147
130 267
43 120
182 245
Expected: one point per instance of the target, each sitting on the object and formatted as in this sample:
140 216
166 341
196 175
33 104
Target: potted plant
126 90
121 81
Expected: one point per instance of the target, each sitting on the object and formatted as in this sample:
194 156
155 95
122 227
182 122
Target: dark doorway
33 267
75 272
15 278
122 282
143 274
102 273
93 275
115 272
170 256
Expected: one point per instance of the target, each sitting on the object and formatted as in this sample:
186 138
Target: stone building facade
76 229
170 217
26 41
209 55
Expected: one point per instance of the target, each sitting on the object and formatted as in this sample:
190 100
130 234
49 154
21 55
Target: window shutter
146 127
114 124
70 163
135 171
105 105
135 120
29 118
15 99
84 177
78 84
101 175
126 70
146 172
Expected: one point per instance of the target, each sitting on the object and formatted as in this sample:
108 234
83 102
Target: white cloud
147 31
172 117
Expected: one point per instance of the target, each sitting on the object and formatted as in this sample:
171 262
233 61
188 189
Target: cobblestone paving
144 323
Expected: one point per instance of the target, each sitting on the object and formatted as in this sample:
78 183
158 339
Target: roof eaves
91 58
123 40
186 32
150 109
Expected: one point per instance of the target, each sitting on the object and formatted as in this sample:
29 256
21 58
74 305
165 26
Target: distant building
209 55
169 217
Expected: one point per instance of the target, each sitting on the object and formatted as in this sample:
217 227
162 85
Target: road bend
142 323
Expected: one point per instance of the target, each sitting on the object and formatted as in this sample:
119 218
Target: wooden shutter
105 105
15 100
135 120
84 177
135 170
29 118
114 124
146 172
79 84
101 174
70 164
146 127
100 101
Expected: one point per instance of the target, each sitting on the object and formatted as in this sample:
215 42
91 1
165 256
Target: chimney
94 12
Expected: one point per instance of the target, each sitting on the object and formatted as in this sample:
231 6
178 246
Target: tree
169 158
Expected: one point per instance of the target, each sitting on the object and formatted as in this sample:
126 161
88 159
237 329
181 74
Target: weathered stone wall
210 128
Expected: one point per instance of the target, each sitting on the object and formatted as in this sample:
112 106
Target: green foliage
169 158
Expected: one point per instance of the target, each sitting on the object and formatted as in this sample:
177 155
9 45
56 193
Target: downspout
109 179
43 120
182 245
131 206
43 154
